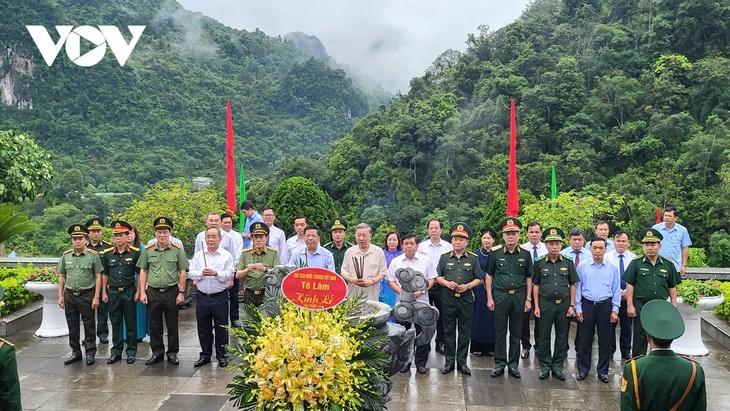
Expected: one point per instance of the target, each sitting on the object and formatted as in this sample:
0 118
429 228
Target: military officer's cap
651 235
163 222
259 228
338 223
119 226
460 230
662 320
78 230
95 224
553 234
510 224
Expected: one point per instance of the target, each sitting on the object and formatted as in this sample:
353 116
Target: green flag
241 199
553 187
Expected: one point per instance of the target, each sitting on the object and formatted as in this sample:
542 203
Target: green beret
553 234
662 320
652 236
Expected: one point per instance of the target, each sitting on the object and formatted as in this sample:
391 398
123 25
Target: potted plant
693 296
45 282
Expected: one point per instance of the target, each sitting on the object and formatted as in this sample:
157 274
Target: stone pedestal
690 343
53 323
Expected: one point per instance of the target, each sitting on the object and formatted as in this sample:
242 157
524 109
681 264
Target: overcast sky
392 40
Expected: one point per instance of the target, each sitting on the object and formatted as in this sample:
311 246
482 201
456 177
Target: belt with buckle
254 292
597 303
77 293
553 299
212 294
164 289
510 292
121 288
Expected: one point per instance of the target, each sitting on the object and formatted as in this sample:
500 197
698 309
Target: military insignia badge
553 231
624 384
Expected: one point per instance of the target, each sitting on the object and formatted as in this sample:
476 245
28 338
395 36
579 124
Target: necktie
621 270
534 252
577 258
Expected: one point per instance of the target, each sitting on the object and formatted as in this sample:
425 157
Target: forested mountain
624 97
162 115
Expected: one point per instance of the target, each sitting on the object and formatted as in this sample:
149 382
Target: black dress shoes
222 362
447 369
172 359
90 360
497 372
559 375
440 347
201 362
581 376
114 358
603 378
420 369
153 360
103 340
544 375
514 372
525 353
464 369
131 359
72 359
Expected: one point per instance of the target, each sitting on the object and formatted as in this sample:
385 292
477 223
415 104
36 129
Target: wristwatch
181 292
468 286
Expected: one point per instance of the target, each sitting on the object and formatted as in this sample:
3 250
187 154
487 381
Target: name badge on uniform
449 264
113 260
563 268
663 270
644 269
522 260
128 259
467 264
501 259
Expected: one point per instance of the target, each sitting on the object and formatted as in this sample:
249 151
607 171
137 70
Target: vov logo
71 37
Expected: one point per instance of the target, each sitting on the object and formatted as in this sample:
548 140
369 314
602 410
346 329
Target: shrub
724 308
16 296
691 290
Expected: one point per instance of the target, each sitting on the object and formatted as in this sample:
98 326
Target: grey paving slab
178 402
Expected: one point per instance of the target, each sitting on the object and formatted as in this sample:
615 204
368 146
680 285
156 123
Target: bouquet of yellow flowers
308 360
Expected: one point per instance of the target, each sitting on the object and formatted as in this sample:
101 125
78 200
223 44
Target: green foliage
571 210
301 196
12 280
178 201
719 249
691 290
24 167
724 308
697 257
12 222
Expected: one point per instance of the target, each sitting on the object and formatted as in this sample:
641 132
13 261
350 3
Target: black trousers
162 305
526 317
624 322
434 298
123 309
77 309
255 297
233 300
211 313
422 351
596 316
102 320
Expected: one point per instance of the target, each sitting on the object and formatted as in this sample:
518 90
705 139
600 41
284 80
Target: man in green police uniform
338 245
254 263
649 277
97 244
9 380
663 380
458 272
120 266
509 270
162 278
79 287
553 289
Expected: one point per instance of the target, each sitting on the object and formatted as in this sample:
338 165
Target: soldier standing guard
118 288
162 278
338 245
553 285
254 263
97 244
458 272
9 380
79 286
510 272
649 277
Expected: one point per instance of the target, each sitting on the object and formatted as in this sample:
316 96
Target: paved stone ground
49 385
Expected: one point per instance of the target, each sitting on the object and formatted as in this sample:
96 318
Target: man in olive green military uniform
663 380
162 278
254 263
338 245
97 244
458 272
118 289
553 290
509 271
79 287
649 277
9 380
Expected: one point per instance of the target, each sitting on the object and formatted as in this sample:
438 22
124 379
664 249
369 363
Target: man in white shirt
434 248
364 264
312 254
411 258
620 257
537 249
227 227
211 269
297 240
277 236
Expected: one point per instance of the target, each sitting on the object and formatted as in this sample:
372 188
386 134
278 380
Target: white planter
690 343
53 323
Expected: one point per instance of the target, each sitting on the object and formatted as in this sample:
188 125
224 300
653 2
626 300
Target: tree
571 210
12 222
301 196
24 167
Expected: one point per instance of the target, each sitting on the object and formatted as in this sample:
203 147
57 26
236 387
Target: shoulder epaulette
638 257
92 251
446 253
567 256
176 245
134 248
247 249
497 247
150 244
109 249
105 243
6 342
328 244
688 358
68 251
271 248
542 257
470 253
633 359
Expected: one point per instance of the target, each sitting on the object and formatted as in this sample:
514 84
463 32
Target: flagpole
553 188
241 199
